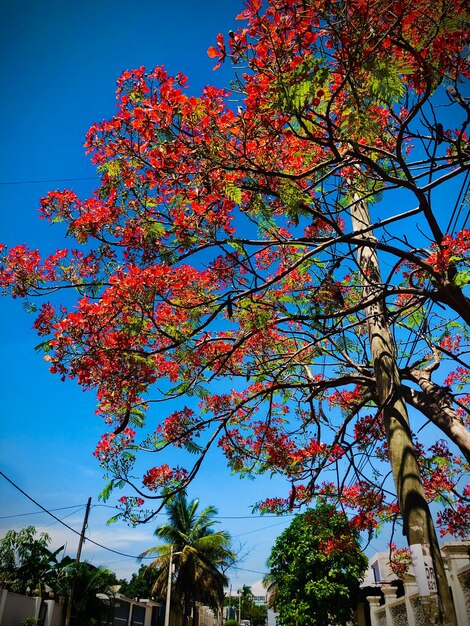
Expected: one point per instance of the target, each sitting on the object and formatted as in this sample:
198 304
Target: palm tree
271 587
200 556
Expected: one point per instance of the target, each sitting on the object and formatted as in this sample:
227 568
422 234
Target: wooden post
68 616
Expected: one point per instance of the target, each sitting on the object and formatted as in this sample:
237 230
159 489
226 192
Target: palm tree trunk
188 604
417 520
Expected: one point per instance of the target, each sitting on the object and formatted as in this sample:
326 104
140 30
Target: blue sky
59 64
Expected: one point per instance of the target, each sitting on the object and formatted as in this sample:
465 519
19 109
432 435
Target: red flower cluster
341 543
451 251
400 561
455 521
345 399
111 445
163 477
179 427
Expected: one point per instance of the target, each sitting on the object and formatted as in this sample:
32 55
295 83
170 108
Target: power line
254 571
108 506
65 516
61 508
99 545
130 556
258 529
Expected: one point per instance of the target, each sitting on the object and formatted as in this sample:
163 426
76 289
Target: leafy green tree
200 556
26 563
141 583
27 566
316 566
257 615
93 597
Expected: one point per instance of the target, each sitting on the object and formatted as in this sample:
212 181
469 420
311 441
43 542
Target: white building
398 602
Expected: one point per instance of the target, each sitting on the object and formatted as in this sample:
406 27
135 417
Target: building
391 602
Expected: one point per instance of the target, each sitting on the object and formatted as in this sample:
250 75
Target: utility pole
68 616
168 589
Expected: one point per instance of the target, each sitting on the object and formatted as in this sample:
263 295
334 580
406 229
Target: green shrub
30 621
232 622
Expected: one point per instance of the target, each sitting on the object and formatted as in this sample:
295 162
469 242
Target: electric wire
61 508
108 506
254 571
65 516
258 529
99 545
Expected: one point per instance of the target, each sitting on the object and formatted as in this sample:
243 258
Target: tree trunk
187 611
417 520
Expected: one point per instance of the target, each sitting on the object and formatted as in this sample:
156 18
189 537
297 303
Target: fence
389 610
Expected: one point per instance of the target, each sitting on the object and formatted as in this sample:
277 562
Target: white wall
14 608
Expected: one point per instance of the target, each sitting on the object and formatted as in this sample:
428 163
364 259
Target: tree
329 309
93 598
140 585
317 565
27 566
256 614
26 563
200 556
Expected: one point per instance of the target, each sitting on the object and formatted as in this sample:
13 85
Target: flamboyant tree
281 261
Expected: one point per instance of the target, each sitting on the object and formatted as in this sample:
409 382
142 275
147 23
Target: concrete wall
14 608
55 614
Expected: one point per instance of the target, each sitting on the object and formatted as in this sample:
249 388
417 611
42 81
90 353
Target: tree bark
417 520
434 402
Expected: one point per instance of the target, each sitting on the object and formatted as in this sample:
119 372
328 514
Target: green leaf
153 231
202 392
385 82
128 457
44 346
236 246
462 278
137 417
192 447
233 193
106 492
298 94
